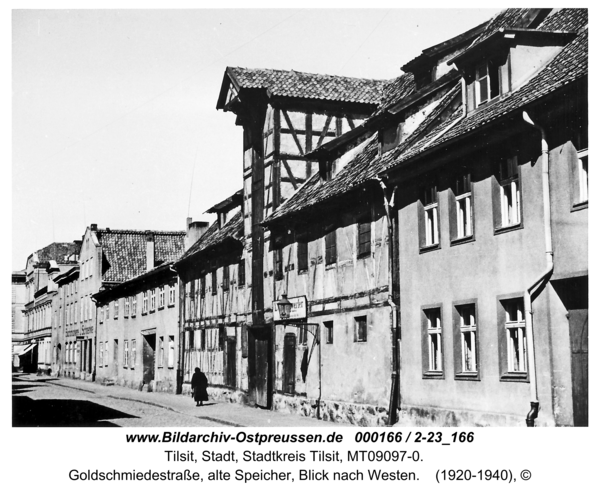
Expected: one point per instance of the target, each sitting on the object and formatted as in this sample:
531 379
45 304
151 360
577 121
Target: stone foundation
336 412
221 394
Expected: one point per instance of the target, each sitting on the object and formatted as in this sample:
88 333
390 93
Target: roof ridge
140 231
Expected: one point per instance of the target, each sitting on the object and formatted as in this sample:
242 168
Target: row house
108 258
66 360
215 302
40 290
137 330
483 171
18 297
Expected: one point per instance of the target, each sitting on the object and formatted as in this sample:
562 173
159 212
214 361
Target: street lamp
284 307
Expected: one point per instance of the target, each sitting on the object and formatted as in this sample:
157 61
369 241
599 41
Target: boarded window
364 239
330 248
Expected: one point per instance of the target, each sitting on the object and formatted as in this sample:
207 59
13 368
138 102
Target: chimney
149 250
94 227
194 232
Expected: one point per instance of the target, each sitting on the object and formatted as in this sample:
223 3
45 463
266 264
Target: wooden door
259 366
289 364
578 328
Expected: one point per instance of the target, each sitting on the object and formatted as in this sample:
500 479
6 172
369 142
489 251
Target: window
514 344
101 315
145 303
126 313
191 339
106 353
487 82
278 263
580 194
202 285
172 294
133 352
101 354
242 272
465 341
302 253
214 282
462 209
364 239
171 355
432 342
226 278
161 297
510 201
161 351
430 236
152 300
116 308
134 305
330 248
126 353
302 335
360 329
328 332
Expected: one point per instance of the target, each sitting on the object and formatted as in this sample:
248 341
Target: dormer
505 60
227 208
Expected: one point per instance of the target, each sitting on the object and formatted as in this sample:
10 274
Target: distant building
66 324
108 258
19 296
42 266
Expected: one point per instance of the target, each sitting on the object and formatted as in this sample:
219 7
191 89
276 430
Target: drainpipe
541 281
395 390
463 87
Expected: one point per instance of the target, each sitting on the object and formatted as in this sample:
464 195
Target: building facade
66 358
18 292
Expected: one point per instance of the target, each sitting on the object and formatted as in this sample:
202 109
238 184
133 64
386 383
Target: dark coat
199 386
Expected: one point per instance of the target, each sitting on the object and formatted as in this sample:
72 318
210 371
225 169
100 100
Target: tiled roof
121 289
290 83
364 167
505 19
565 20
233 230
125 251
58 252
396 89
569 65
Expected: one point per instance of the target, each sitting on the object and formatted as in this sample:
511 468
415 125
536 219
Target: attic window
487 82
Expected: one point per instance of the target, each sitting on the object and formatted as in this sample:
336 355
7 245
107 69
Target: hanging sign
299 309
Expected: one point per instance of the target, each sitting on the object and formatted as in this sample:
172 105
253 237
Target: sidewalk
225 413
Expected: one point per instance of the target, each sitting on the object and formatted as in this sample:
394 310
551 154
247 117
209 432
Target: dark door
148 357
578 328
230 362
259 368
289 364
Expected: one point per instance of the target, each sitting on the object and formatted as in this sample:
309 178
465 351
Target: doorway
259 366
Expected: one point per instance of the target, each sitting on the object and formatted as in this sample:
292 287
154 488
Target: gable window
465 341
330 248
242 272
430 235
226 278
360 329
487 82
172 294
364 239
161 297
278 263
462 223
432 343
145 303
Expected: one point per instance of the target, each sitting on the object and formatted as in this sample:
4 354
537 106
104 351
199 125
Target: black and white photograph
368 220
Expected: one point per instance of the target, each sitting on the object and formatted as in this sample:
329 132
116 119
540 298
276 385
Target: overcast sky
114 118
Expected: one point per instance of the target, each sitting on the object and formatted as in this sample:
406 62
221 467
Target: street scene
406 247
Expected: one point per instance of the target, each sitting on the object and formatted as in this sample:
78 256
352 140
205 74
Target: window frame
225 283
328 326
330 248
426 332
361 328
161 297
497 78
172 294
278 263
459 193
429 213
133 353
152 300
577 179
161 352
134 305
363 230
506 375
126 308
126 353
458 331
498 200
241 273
213 283
116 309
145 302
171 353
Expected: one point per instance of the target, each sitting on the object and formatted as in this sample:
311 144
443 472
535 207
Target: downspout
395 388
541 281
463 87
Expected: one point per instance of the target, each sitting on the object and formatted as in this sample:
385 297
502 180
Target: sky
114 117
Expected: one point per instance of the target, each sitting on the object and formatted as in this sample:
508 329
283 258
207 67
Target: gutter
542 280
395 387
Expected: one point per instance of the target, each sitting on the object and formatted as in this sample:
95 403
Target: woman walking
199 386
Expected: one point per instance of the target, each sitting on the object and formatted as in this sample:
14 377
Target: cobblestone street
46 401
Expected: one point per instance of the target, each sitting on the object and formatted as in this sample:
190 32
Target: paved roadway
44 401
